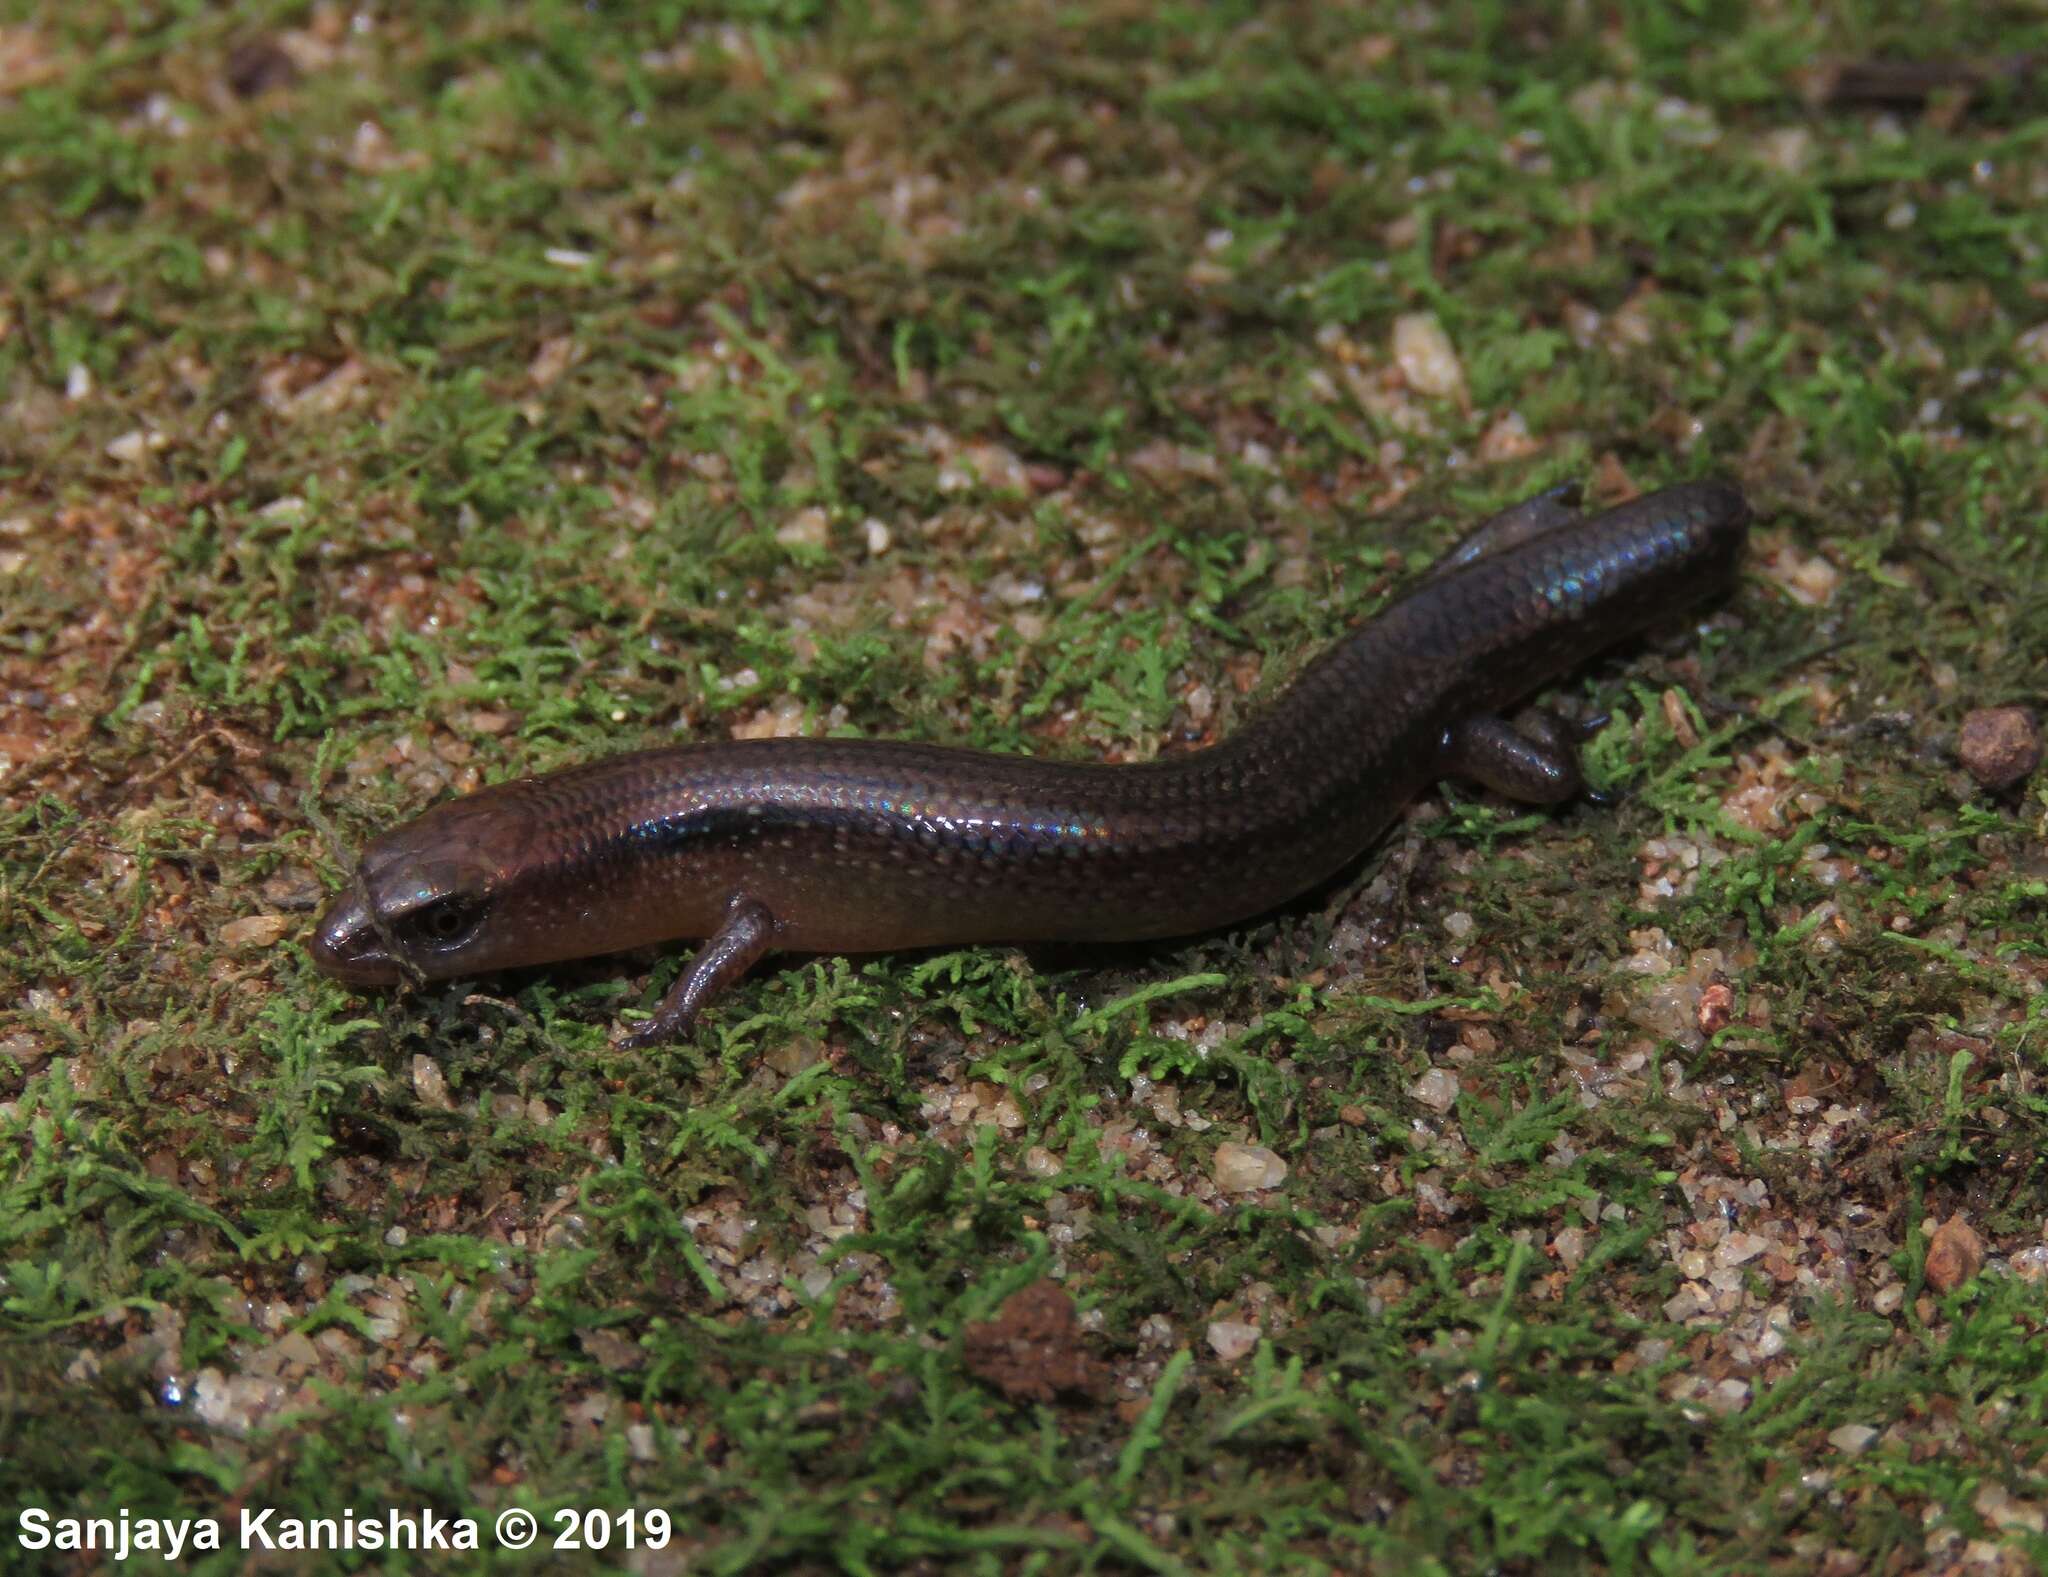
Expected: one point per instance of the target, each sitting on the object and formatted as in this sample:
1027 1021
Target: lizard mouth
345 945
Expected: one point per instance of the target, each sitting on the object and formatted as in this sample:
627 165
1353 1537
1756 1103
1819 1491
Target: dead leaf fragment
1032 1348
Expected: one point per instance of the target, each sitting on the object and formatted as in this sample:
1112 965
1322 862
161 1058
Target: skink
845 846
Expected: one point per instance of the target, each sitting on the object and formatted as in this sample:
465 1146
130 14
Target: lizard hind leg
1537 763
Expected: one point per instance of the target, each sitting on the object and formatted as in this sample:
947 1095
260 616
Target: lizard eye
444 923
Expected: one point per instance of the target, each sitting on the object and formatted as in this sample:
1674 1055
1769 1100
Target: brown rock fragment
1032 1348
1954 1254
1999 745
1716 1008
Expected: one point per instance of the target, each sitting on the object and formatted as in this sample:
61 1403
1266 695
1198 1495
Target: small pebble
1232 1339
1436 1089
430 1084
2000 745
131 448
1241 1168
1428 361
806 528
292 888
1954 1254
256 930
